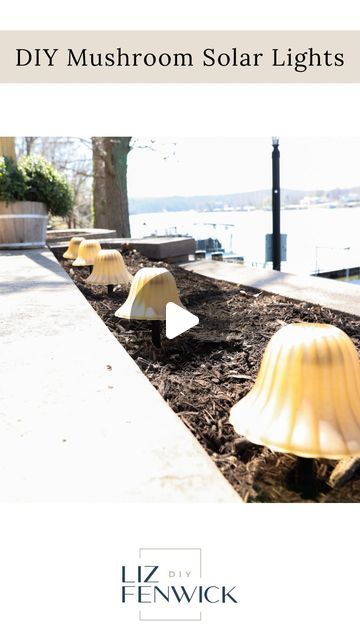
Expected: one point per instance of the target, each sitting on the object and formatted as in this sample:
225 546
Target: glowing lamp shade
88 250
109 268
72 251
306 399
151 289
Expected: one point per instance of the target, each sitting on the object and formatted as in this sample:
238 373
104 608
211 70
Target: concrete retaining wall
78 419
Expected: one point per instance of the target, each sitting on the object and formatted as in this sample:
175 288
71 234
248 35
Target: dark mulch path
203 372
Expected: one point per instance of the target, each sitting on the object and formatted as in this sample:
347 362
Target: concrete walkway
340 296
78 419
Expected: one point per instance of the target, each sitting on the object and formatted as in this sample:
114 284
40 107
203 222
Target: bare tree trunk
116 153
110 184
99 193
29 143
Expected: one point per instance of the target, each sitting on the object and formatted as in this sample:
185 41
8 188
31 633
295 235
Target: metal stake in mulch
72 251
151 289
88 250
306 399
109 269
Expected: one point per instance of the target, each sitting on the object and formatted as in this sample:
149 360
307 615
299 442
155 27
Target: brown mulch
203 372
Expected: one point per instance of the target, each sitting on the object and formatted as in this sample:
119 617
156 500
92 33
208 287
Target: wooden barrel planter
23 225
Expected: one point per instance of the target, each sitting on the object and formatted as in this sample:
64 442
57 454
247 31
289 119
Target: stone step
162 249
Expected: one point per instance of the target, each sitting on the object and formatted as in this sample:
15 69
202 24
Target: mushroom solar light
306 399
72 251
109 269
88 249
151 289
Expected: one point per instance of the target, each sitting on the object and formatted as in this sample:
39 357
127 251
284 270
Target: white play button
178 320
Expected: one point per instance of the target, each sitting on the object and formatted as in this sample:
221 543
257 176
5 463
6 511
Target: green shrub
45 184
12 183
35 179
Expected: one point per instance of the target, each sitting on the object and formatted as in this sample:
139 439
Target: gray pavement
340 296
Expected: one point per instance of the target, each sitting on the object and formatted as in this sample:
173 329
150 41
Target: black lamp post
276 237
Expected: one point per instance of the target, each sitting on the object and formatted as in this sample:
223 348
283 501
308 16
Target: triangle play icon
178 320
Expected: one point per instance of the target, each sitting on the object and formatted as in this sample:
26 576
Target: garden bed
202 373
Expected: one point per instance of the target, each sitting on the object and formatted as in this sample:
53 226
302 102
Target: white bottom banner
109 571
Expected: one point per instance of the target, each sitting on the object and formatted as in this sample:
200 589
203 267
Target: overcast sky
223 165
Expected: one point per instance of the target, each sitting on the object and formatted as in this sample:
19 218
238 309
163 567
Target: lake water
318 239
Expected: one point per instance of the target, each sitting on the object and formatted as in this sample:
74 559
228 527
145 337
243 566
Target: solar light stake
276 237
304 475
156 333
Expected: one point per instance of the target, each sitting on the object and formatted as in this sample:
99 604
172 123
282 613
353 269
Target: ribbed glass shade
88 250
72 251
109 268
151 289
306 399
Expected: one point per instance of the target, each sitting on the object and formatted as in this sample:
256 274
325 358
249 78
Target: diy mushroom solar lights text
151 289
306 398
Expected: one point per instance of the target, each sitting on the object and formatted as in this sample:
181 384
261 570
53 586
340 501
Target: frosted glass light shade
109 268
306 399
88 249
72 251
151 289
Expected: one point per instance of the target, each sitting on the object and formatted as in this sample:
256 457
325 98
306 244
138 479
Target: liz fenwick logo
168 585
